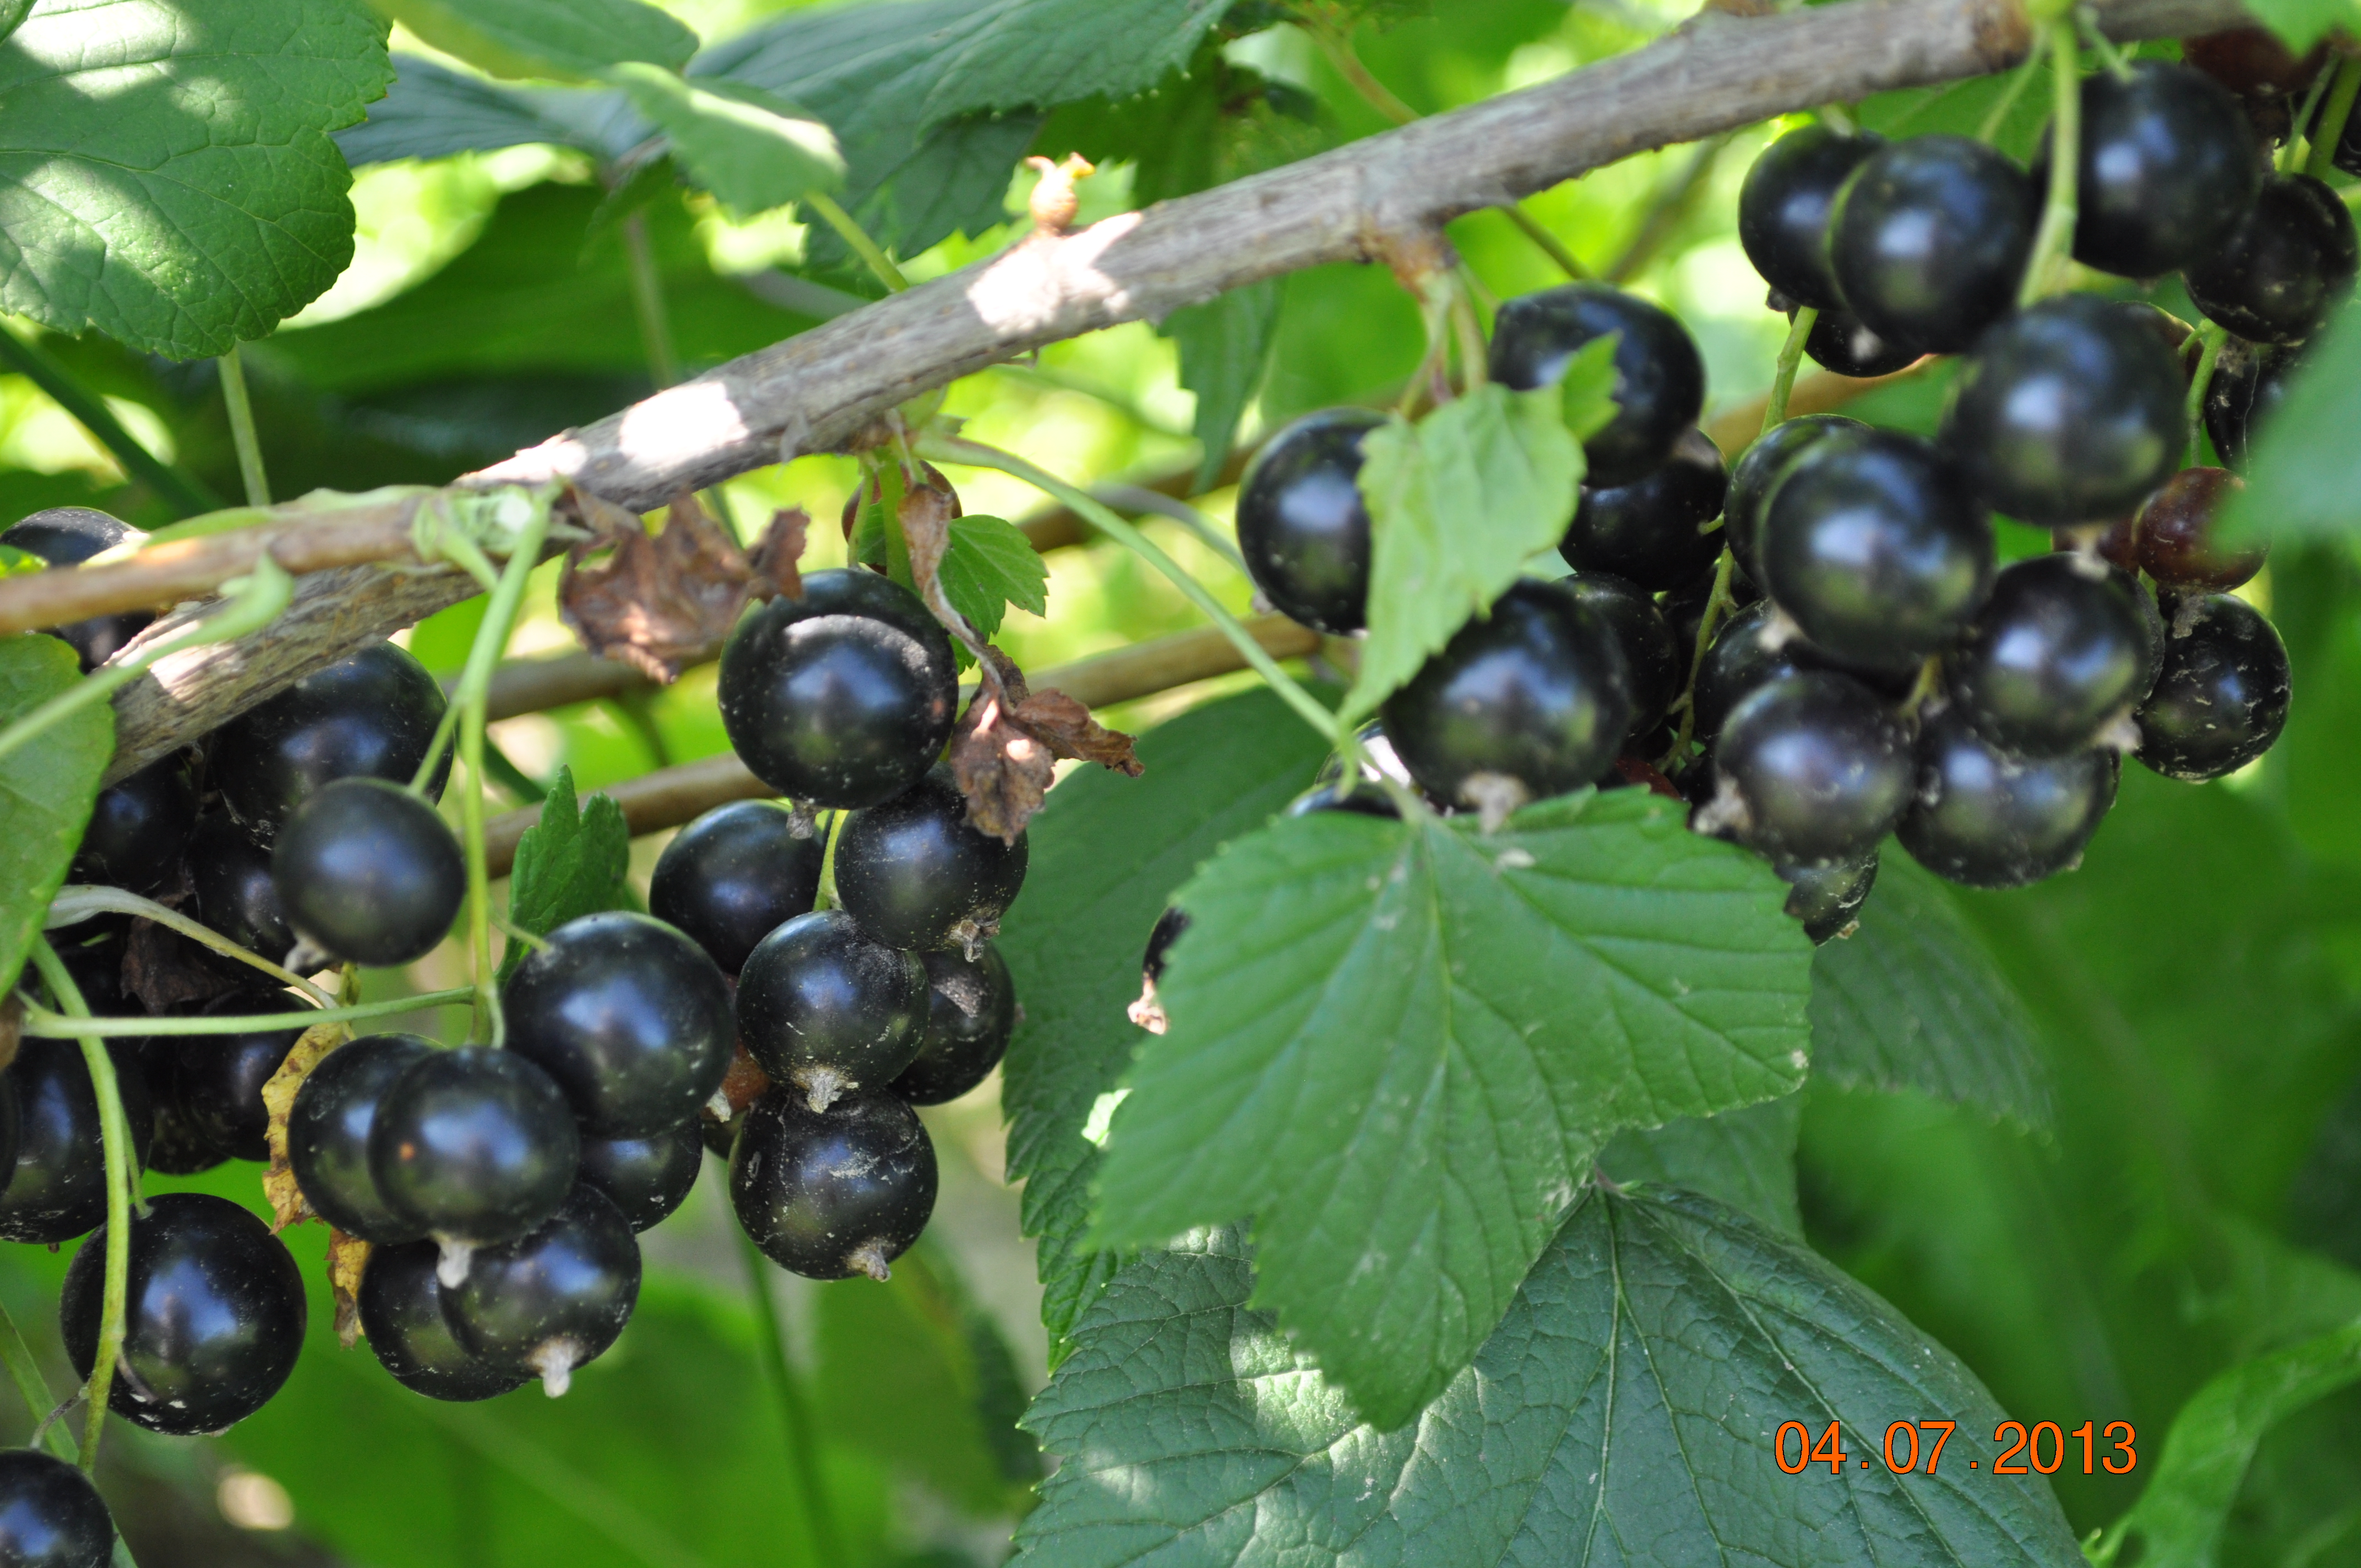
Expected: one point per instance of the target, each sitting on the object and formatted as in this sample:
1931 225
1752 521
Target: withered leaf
287 1205
1006 749
348 1256
166 971
659 602
774 554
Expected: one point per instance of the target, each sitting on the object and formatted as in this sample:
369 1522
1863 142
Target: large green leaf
1225 347
2303 23
1745 1159
1626 1412
166 175
1107 852
2305 474
1017 54
46 788
572 862
433 111
1398 1046
751 150
1912 1000
566 40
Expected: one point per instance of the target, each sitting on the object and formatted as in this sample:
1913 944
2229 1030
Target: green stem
941 449
84 900
1666 208
2289 156
803 1432
2054 239
115 1139
891 489
2018 82
241 428
1545 242
2332 118
42 1023
188 497
825 898
18 1357
648 305
2103 46
1791 355
1716 604
2213 337
871 256
1341 54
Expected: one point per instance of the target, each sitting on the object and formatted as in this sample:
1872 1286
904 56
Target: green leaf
1225 346
433 111
2178 1520
46 788
2304 478
751 150
2303 23
989 566
1625 1411
1016 54
166 175
1458 503
564 41
572 862
1398 1046
1912 1000
1107 852
1745 1159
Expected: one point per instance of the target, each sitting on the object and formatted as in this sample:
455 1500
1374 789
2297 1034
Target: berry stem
2018 82
648 302
70 1026
2055 239
891 489
185 495
2101 45
1782 378
2291 156
2213 337
241 428
81 900
2333 114
17 1356
795 1411
856 238
824 896
1717 605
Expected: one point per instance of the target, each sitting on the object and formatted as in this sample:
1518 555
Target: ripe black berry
67 536
473 1147
1874 545
212 1320
2167 166
645 1179
1988 817
1302 525
1655 531
916 874
1650 658
1531 701
175 1148
401 1313
369 716
2058 653
1783 209
328 1135
2222 697
50 1516
841 698
554 1298
1752 649
1660 379
1168 929
2174 534
733 876
1361 797
2288 263
216 1080
1809 769
1758 469
59 1189
971 1013
368 873
2250 382
1828 899
826 1007
1838 341
2068 411
235 894
832 1194
1929 238
628 1017
138 828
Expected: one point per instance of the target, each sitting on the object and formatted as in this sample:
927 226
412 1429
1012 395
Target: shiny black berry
1783 209
175 1148
2067 412
1751 649
645 1179
1653 661
835 1193
842 698
139 828
2059 652
213 1319
1929 240
1989 818
1758 468
1660 379
1301 526
628 1017
1828 899
67 536
552 1298
2174 536
1167 931
328 1135
473 1147
2222 697
827 1007
971 1013
1809 769
1531 701
401 1314
1657 531
2167 166
235 894
734 875
1361 797
917 875
368 873
1874 544
50 1516
59 1188
217 1079
370 715
2288 264
1838 341
2250 382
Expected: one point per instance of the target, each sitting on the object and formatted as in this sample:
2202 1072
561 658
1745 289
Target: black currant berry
212 1320
2167 166
473 1147
235 894
1656 530
1874 544
370 715
1808 770
2067 412
825 1006
2250 382
631 1019
734 875
2288 264
1838 341
401 1314
842 698
138 828
645 1179
1783 209
1531 701
50 1516
1302 525
217 1079
916 874
971 1013
1168 929
1929 240
554 1298
1828 899
1660 379
1757 470
1361 797
175 1148
1650 658
59 1188
1753 648
328 1135
2222 697
832 1194
1987 817
368 873
2058 655
67 536
2174 535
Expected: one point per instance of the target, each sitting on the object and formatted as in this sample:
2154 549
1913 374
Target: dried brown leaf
774 554
166 971
659 602
1066 727
348 1256
1005 751
287 1205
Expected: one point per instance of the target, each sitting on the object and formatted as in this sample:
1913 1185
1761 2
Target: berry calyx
2175 533
474 1148
836 1194
402 1317
139 828
554 1299
1784 206
2222 697
2288 264
1301 524
917 875
1839 341
1810 770
1656 530
734 875
2167 167
1755 647
1758 469
328 1135
57 1191
1650 658
971 1013
2059 655
50 1516
236 895
370 715
1827 899
368 873
1660 378
827 1008
1986 817
645 1179
1929 238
